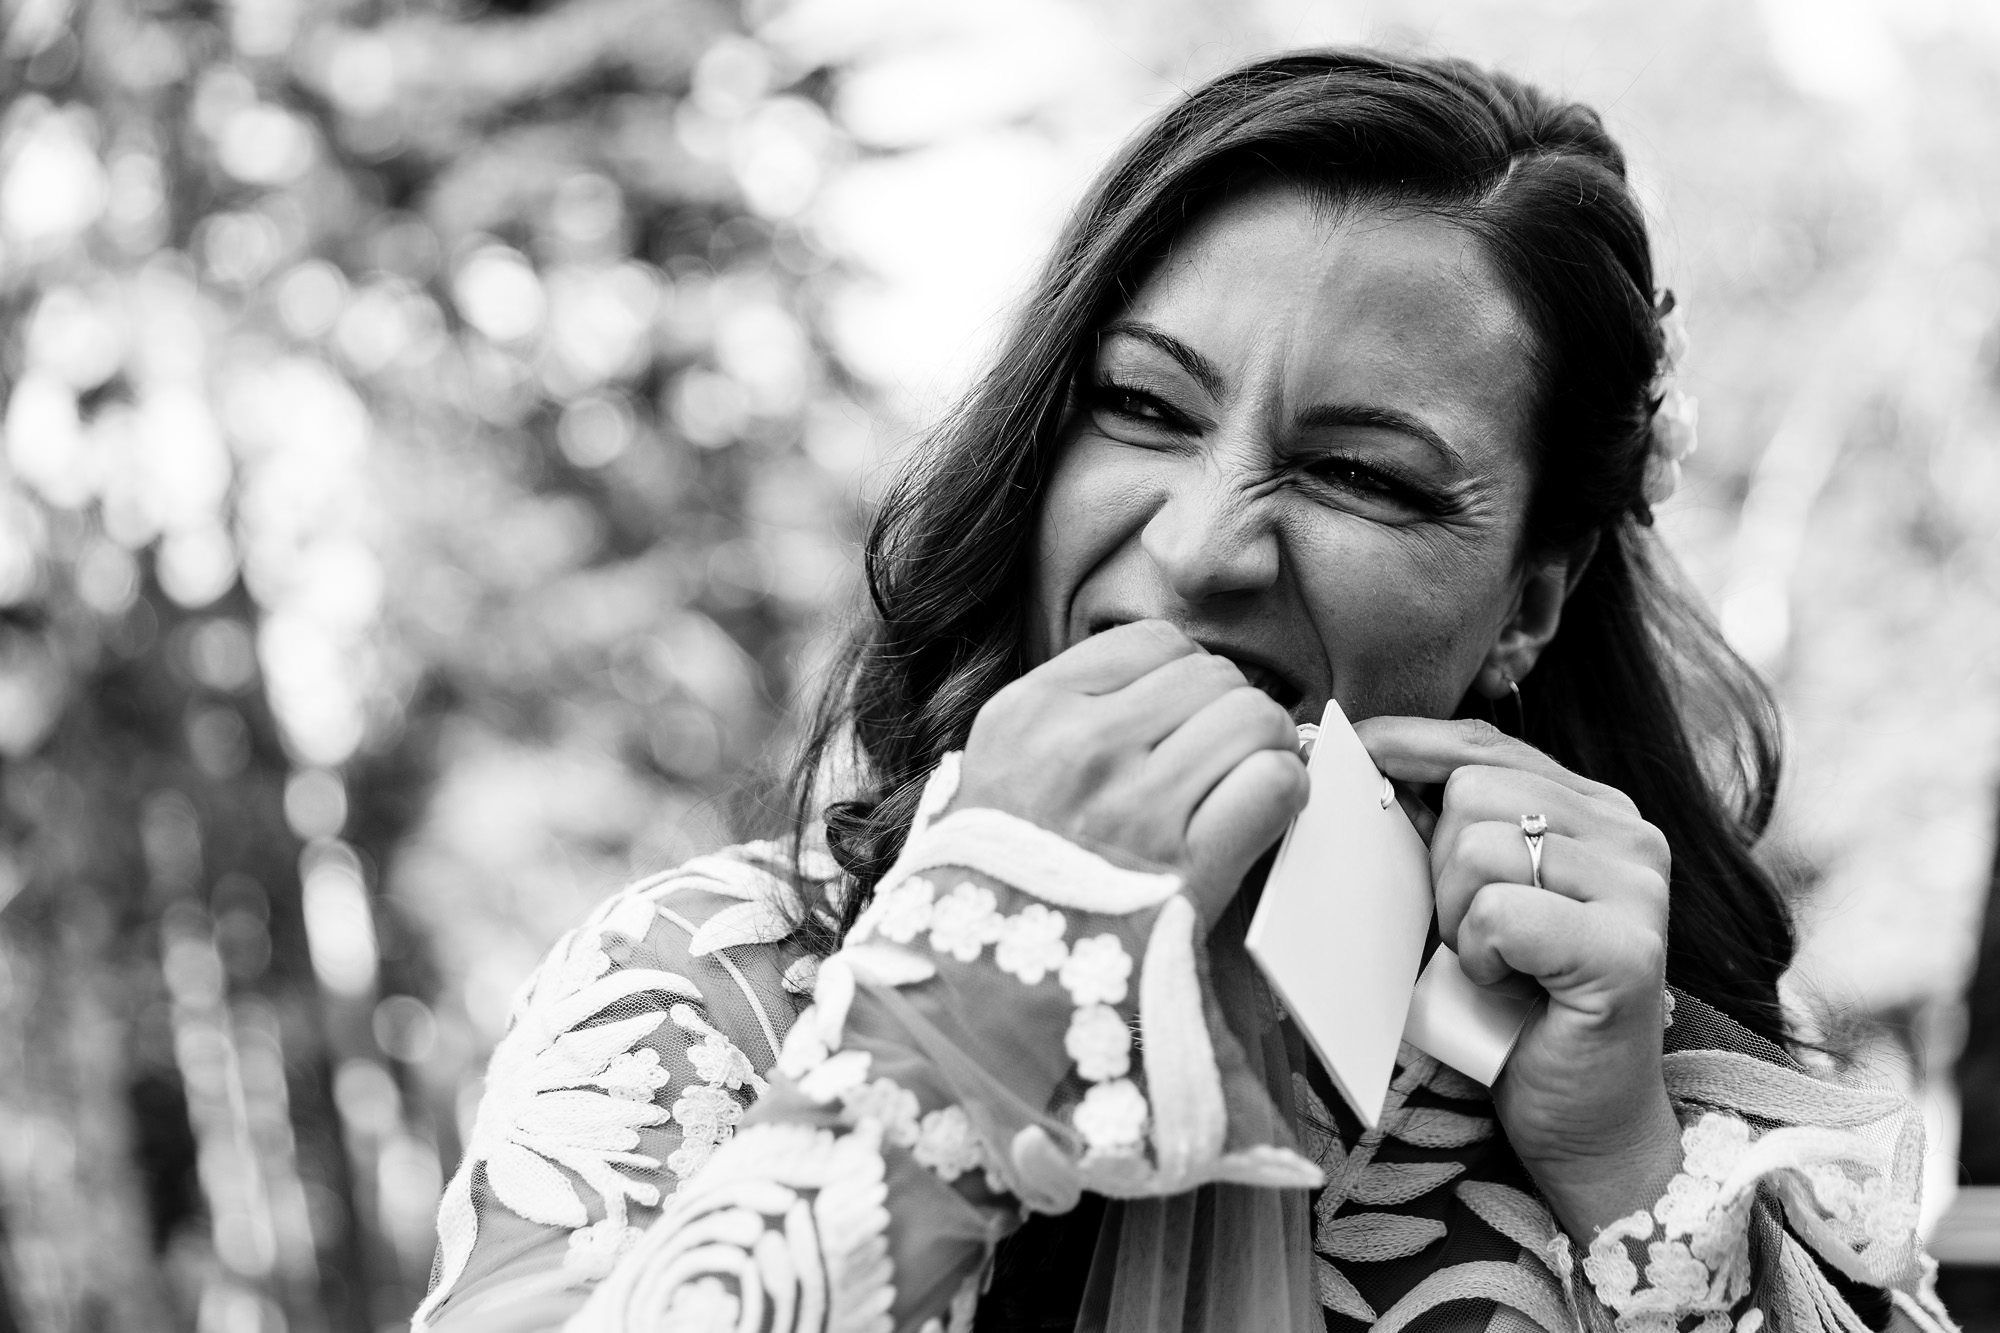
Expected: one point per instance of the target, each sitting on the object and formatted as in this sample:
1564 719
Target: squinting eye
1129 404
1132 405
1359 476
1376 483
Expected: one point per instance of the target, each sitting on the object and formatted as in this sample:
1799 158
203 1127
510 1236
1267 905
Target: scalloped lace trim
1027 856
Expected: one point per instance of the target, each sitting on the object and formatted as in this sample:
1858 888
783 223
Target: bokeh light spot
595 430
221 655
196 565
309 298
405 1029
315 803
499 294
340 928
54 186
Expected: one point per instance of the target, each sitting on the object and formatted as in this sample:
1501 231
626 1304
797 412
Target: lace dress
618 1177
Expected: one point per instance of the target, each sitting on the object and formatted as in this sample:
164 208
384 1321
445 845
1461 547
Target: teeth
1261 677
1265 679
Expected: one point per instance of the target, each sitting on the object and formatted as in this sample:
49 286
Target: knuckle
1649 954
1654 890
1294 784
1239 704
1220 671
1457 858
1479 732
1270 787
1617 799
1654 847
1467 784
1259 710
1485 916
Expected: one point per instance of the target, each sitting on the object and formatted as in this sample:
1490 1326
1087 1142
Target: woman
1346 381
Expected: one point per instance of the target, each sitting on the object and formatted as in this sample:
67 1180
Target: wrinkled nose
1209 539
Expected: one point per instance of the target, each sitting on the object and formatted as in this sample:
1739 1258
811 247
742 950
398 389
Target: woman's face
1305 443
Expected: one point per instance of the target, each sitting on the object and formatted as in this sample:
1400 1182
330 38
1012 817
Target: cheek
1091 505
1406 617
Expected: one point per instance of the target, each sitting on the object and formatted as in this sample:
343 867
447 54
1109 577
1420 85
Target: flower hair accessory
1674 410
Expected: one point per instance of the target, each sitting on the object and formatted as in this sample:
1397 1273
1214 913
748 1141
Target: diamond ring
1534 828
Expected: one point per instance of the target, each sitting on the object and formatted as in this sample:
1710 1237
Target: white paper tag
1340 929
1340 934
1470 1027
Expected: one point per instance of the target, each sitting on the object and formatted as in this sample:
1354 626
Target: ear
1538 604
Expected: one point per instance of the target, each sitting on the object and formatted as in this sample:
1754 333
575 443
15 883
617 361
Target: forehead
1357 304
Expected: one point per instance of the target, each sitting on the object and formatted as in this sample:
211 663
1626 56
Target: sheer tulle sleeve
1795 1208
631 1056
1012 1021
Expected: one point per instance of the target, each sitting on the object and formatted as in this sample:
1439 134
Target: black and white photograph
999 666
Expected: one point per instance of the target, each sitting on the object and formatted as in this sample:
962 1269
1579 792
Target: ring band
1534 828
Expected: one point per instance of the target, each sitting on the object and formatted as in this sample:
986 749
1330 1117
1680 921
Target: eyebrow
1379 418
1320 416
1199 367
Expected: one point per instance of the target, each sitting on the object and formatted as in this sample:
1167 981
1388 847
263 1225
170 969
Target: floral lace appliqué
1112 1118
1099 1042
1097 971
902 913
964 922
707 1112
947 1143
1031 943
1696 1242
596 1249
889 1105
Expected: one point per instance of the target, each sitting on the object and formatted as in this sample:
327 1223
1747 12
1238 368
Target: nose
1210 538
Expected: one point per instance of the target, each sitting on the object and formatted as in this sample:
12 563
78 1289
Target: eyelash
1117 400
1120 400
1381 480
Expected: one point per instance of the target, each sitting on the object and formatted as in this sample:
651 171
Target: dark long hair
1637 689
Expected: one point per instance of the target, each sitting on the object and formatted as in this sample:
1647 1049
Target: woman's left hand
1582 1099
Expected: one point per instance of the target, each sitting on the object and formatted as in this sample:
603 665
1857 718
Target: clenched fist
1138 743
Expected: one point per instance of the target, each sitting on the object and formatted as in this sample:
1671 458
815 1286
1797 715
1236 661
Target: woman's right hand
1139 742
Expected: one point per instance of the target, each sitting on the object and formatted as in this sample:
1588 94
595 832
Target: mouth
1259 676
1257 673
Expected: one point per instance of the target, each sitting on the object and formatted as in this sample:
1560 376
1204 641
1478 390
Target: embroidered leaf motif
550 1102
719 874
577 1057
1337 1294
1400 1182
527 1184
1518 1216
1373 1238
760 922
1428 1127
802 975
580 1120
1513 1285
625 914
885 965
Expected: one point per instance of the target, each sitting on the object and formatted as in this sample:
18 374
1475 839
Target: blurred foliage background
435 435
